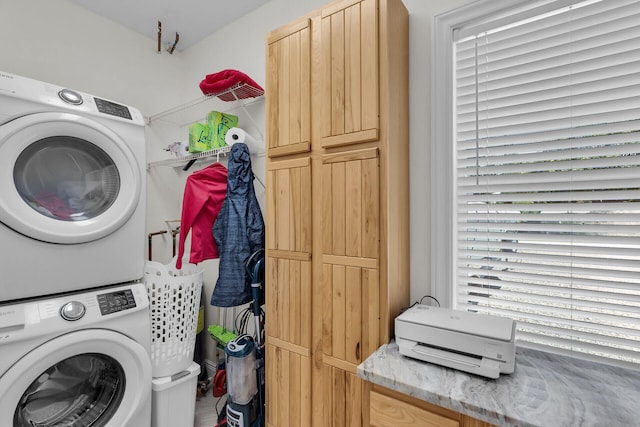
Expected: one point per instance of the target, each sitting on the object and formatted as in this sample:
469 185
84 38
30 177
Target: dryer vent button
73 310
70 96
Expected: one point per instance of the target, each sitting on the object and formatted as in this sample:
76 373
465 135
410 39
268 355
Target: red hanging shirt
204 193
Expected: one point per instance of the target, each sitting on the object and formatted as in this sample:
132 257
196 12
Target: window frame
443 186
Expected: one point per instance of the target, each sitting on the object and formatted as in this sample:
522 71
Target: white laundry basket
174 297
174 398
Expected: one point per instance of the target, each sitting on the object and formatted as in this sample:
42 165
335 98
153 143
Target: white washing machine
72 190
78 359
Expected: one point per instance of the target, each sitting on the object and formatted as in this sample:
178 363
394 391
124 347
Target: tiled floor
207 409
206 414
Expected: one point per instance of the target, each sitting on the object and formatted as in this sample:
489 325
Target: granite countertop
545 389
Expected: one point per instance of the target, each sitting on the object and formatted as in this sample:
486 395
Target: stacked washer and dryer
74 316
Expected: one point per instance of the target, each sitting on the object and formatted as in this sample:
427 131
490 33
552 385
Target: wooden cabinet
337 215
392 409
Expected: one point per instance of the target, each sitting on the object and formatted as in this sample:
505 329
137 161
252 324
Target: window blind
547 165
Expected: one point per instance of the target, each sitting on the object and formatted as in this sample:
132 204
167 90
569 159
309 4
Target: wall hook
173 47
159 37
189 164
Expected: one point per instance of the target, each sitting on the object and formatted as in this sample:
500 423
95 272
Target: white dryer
79 359
72 190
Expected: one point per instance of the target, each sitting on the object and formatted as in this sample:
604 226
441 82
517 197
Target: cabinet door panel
349 74
288 297
289 88
350 312
288 388
343 394
350 198
288 225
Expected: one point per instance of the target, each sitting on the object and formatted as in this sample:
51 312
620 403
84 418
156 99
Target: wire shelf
241 93
183 160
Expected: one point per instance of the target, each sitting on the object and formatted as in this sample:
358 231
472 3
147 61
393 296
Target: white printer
471 342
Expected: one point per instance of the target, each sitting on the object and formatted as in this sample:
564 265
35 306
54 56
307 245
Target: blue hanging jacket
238 231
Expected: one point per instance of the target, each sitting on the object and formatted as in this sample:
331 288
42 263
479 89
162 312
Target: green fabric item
220 334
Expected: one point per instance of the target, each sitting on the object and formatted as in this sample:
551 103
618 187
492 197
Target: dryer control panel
112 108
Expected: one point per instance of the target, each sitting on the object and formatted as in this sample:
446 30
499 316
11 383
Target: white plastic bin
174 300
173 398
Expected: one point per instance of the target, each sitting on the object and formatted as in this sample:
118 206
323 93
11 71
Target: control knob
73 310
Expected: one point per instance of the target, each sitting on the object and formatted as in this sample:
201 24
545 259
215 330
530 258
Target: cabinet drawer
388 412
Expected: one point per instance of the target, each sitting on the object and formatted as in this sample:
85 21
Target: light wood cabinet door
288 83
288 296
350 73
350 275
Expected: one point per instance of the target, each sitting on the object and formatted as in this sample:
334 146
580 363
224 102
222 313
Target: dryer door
65 178
96 378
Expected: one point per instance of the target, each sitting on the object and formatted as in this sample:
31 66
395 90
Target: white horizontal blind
547 129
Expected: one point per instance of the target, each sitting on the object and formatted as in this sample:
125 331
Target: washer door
96 378
65 178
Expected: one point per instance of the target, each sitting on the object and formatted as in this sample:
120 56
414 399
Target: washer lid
65 178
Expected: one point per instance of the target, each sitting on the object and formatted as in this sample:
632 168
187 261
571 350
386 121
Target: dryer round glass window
66 178
81 391
94 206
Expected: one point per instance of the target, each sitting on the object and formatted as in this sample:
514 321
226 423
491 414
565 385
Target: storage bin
219 123
199 138
173 398
174 299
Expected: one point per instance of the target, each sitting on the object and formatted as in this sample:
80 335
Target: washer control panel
55 315
113 302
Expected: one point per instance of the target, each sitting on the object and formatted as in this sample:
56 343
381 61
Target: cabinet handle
358 351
